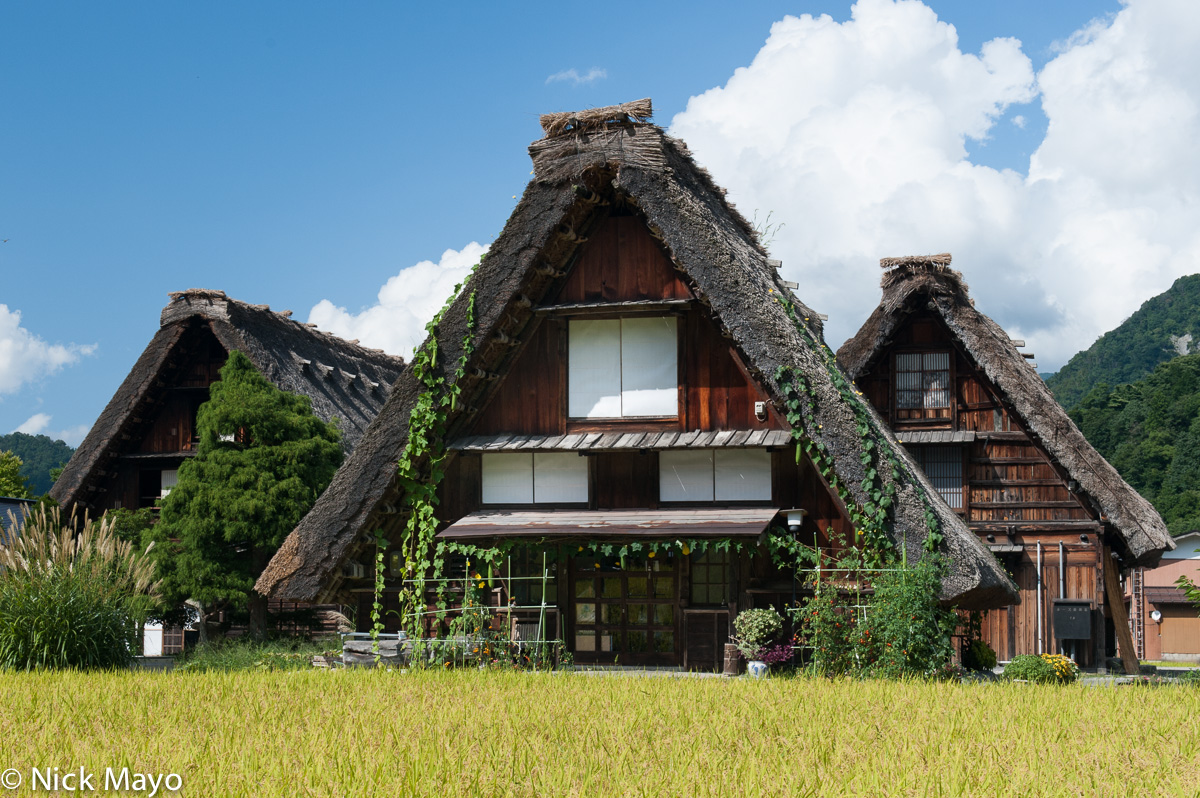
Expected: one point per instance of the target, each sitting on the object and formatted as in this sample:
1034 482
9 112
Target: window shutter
649 373
559 477
507 478
594 369
685 476
742 475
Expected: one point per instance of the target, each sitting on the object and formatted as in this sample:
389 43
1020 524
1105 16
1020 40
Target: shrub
909 631
1030 668
979 656
71 599
903 632
1065 669
1044 668
756 630
831 632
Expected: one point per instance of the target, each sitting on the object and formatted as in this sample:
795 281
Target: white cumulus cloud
406 303
573 77
24 357
39 423
34 424
853 134
72 436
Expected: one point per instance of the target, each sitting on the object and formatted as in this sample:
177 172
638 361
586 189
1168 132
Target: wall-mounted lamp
795 519
991 538
1083 538
760 411
1156 616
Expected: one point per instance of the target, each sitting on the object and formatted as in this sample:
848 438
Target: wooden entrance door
626 616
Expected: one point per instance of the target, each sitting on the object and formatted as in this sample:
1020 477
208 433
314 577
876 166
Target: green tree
11 481
262 460
41 456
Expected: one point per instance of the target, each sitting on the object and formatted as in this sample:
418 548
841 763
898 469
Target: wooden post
733 661
1116 608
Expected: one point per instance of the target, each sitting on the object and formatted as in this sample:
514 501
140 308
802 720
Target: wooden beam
1116 608
1054 505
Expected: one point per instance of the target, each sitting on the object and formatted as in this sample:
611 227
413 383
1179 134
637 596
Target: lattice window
710 579
923 380
944 467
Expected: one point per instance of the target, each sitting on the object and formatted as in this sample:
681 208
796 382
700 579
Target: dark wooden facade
1011 493
164 435
675 609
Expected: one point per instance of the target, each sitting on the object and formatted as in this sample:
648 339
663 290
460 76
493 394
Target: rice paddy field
367 733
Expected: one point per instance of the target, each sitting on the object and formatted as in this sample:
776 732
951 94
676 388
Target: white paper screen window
170 478
685 476
623 368
594 369
742 475
559 477
649 374
507 478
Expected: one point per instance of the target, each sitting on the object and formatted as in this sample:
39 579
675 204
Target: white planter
756 669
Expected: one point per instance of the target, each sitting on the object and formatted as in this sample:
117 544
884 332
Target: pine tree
262 460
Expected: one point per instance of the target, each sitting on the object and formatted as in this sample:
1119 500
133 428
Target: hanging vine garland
869 518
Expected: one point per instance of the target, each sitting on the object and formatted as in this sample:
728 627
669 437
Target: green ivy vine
493 556
878 458
421 467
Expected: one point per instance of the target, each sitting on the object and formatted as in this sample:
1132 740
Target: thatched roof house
147 427
590 165
927 284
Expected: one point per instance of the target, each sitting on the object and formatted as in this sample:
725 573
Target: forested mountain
1150 431
1165 327
40 454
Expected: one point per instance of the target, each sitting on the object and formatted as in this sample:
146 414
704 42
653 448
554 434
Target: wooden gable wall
1008 476
622 263
168 420
1012 492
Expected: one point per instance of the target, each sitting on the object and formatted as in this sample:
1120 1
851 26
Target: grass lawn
367 733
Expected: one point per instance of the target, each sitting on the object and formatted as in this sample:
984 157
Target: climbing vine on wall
421 467
878 459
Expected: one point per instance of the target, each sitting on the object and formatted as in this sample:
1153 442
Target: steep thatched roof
603 161
343 380
915 284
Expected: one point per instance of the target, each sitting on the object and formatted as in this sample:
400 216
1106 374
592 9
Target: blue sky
305 154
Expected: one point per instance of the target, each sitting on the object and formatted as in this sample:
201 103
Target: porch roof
676 522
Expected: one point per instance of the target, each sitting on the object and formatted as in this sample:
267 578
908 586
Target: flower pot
756 669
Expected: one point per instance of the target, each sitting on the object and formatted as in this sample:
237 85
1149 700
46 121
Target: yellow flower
481 584
651 554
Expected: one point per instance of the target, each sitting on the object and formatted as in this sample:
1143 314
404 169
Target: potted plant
756 635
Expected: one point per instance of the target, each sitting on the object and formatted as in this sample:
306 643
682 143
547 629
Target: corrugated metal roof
935 436
690 522
620 441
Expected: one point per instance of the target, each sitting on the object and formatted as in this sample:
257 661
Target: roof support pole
1062 584
1040 648
1116 608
